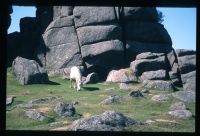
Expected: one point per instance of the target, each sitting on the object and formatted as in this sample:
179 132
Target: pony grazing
75 78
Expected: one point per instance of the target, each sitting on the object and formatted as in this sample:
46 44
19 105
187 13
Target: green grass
89 98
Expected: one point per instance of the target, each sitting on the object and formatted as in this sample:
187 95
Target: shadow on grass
52 83
175 89
91 88
134 82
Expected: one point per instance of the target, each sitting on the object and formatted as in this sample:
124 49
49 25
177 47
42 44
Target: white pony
75 78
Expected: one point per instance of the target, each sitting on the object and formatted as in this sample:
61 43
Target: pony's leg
74 84
78 87
70 83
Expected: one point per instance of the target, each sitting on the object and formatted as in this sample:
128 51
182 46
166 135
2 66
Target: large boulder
102 56
143 65
28 25
186 96
148 55
190 84
84 16
29 71
188 76
61 22
62 49
154 75
60 11
187 63
98 33
189 81
120 76
147 32
44 15
134 48
142 29
159 84
59 32
107 121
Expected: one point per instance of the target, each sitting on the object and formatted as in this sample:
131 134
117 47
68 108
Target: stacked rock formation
101 39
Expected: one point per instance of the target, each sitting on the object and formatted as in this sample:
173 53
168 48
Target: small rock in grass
178 106
10 100
162 121
26 106
35 115
181 113
136 93
55 124
160 97
64 109
111 99
42 100
159 84
145 91
125 86
149 121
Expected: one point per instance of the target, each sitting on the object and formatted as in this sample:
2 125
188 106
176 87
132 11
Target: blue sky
179 22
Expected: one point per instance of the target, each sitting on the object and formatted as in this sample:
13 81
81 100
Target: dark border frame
143 3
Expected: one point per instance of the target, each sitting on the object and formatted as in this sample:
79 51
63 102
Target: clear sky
181 26
179 22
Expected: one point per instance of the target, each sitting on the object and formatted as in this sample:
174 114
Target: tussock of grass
89 99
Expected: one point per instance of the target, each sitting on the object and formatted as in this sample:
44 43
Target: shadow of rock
52 83
91 88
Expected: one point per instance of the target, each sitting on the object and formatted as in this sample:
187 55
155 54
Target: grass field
88 104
